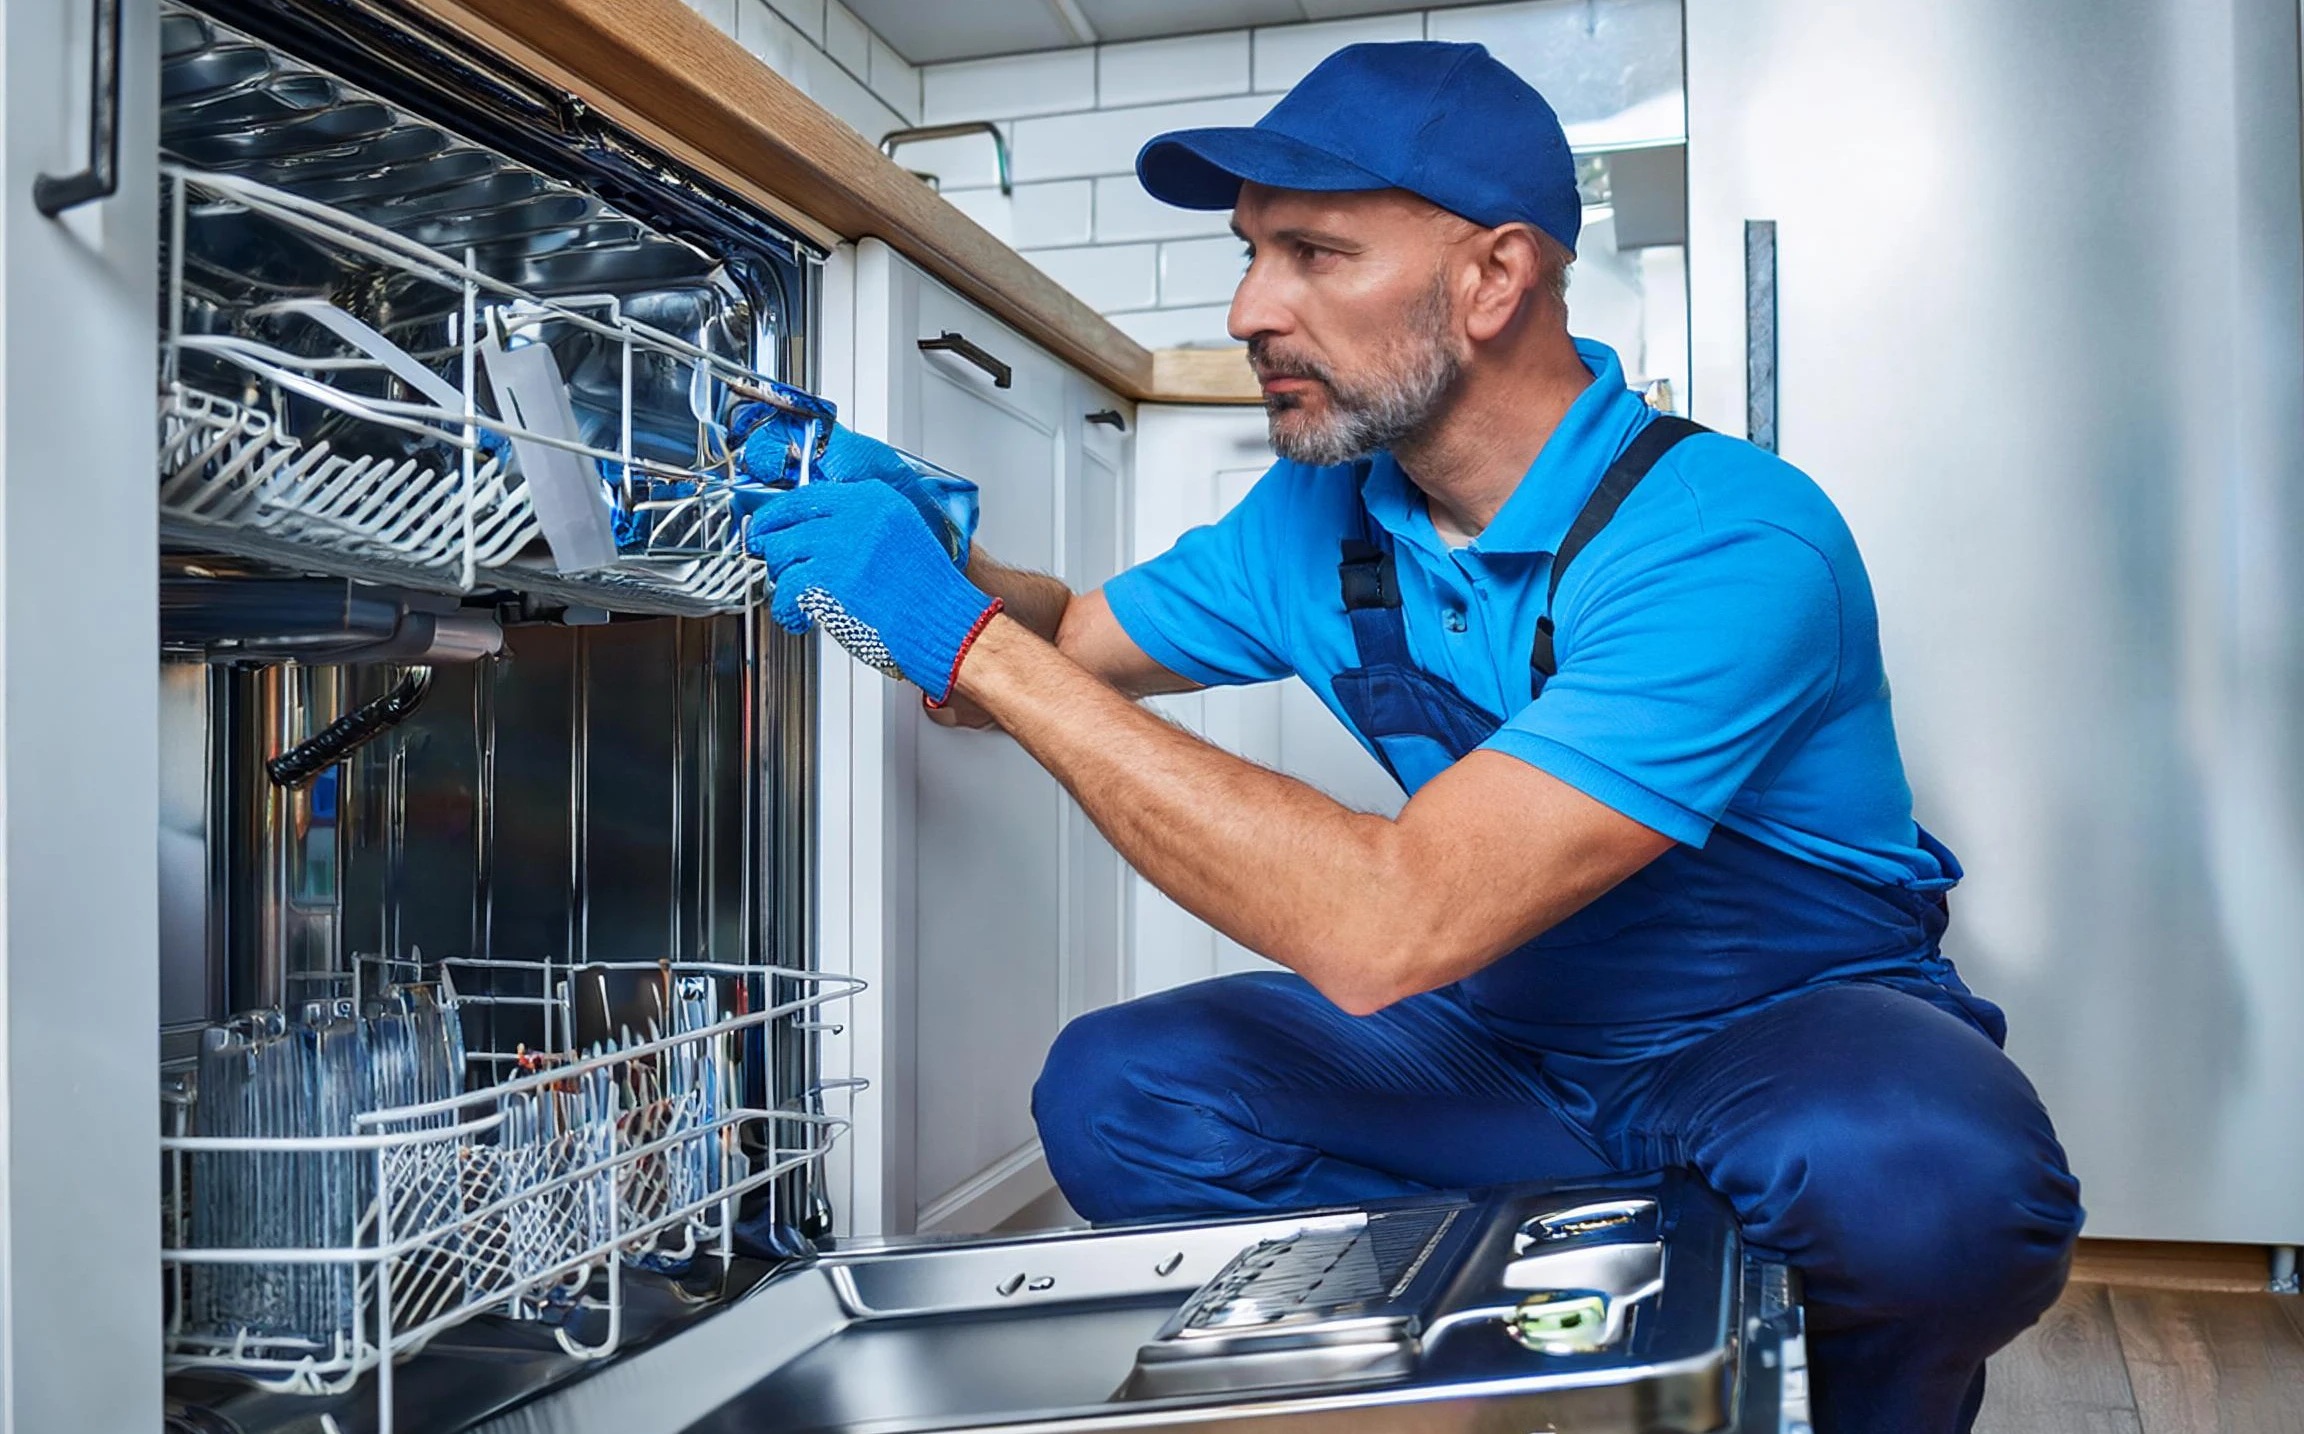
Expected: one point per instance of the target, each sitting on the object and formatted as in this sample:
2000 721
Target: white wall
829 55
1075 119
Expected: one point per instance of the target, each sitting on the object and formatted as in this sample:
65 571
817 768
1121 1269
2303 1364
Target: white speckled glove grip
859 560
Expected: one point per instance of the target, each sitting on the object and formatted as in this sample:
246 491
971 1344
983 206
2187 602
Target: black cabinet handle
1110 418
52 194
952 343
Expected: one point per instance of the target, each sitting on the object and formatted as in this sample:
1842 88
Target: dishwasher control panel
1374 1295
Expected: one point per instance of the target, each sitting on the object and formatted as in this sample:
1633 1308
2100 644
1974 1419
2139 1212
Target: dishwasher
491 1085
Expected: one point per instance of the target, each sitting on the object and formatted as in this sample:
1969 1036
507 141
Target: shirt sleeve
1684 667
1210 608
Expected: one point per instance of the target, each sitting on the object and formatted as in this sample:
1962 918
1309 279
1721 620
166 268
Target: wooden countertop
666 73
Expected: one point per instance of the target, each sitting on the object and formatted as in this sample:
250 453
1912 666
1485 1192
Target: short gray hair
1558 260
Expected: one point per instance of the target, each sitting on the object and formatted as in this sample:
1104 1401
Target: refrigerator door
2040 295
1631 1307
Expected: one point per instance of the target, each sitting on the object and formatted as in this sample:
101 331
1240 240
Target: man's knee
1139 1099
1928 1207
1085 1076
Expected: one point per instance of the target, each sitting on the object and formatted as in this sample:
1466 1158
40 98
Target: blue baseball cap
1448 122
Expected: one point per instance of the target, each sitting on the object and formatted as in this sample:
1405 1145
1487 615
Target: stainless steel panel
191 986
2040 324
918 1336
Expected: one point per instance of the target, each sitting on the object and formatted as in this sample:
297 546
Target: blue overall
1792 1034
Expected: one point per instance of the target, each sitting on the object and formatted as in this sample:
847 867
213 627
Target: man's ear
1509 274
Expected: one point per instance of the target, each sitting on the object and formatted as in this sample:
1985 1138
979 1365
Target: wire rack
526 1199
416 479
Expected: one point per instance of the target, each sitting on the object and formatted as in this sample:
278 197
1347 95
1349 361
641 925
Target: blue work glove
769 440
857 559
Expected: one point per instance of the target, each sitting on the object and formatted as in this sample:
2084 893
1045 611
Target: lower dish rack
336 1199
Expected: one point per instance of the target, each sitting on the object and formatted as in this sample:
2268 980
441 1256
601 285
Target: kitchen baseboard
2174 1265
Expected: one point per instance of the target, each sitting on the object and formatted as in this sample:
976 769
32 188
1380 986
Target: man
1657 897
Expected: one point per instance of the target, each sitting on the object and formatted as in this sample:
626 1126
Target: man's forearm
1034 599
1273 863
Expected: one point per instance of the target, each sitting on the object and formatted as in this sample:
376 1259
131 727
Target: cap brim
1204 168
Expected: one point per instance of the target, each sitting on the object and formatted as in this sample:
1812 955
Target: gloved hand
768 443
856 558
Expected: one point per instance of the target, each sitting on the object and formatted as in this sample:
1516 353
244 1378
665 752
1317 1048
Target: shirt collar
1536 517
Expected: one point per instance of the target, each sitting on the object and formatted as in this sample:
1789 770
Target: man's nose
1256 307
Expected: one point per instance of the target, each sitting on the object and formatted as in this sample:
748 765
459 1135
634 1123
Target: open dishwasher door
1629 1306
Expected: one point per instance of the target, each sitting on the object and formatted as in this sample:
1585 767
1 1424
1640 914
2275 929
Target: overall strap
1659 438
1371 588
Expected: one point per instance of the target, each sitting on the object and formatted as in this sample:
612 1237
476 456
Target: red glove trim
962 655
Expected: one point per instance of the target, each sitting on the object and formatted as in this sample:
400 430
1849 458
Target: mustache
1272 363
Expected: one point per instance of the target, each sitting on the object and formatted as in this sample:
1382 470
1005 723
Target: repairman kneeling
1657 897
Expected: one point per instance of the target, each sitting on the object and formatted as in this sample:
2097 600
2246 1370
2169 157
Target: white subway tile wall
1110 278
1074 119
807 15
1106 141
846 39
1125 212
1200 271
1287 53
1046 215
1078 116
968 161
859 79
721 13
895 79
1047 83
1198 327
1189 67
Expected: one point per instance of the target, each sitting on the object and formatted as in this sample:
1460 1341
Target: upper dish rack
294 429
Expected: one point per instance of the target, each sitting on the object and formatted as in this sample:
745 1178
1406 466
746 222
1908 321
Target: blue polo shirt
1718 649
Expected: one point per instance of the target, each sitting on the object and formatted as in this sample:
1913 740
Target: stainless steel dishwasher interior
596 818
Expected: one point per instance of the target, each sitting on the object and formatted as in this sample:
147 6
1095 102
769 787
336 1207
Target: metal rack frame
461 1224
233 481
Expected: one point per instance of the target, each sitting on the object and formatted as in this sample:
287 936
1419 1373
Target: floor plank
2065 1375
2205 1363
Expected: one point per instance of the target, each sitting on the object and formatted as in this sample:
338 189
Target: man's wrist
975 634
983 661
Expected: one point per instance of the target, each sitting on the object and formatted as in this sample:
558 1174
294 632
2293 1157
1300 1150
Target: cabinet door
989 824
1202 462
80 1318
983 906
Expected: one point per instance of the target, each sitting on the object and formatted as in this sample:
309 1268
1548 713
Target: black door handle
1110 418
54 194
952 343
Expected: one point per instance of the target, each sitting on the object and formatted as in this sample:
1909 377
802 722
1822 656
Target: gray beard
1397 401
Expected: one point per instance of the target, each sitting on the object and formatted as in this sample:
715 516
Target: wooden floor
2130 1359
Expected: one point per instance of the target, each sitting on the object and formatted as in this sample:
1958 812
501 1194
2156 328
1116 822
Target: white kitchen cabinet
79 742
1198 462
960 879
